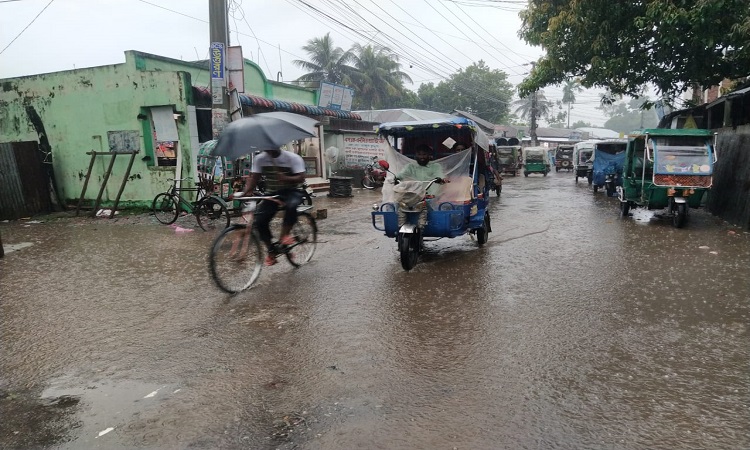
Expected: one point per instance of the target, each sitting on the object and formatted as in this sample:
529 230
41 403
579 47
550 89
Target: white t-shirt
287 162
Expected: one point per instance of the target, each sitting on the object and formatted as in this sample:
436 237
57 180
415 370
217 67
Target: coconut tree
377 77
326 63
524 105
570 87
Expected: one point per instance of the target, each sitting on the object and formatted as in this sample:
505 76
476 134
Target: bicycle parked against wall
236 257
209 209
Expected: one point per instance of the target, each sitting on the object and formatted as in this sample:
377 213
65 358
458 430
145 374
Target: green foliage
477 89
377 78
581 124
326 63
524 106
623 45
625 117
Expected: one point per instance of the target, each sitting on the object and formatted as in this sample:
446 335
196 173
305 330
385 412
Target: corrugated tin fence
23 181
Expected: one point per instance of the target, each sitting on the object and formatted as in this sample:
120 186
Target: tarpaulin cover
605 163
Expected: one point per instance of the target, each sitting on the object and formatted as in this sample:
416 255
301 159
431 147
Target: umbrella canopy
264 131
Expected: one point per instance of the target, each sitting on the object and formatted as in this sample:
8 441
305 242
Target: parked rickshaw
668 168
582 163
508 157
564 157
412 210
536 160
609 159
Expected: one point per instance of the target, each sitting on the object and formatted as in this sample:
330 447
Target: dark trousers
267 209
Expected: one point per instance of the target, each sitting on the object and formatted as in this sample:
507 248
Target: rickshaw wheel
483 231
409 249
624 210
679 216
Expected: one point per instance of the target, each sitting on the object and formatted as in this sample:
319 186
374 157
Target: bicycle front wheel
236 259
305 233
212 214
165 208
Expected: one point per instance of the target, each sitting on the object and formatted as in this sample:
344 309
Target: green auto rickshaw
667 168
536 160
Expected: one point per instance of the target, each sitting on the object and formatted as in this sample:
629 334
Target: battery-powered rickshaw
508 157
412 210
582 164
536 160
564 157
609 159
668 168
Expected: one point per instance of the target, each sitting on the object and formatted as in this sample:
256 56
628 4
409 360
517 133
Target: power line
27 26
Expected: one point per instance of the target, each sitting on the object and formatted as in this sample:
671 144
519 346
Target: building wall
729 197
76 109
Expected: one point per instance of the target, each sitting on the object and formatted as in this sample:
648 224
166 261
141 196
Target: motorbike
375 174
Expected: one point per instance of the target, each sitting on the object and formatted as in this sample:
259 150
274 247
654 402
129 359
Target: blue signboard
217 60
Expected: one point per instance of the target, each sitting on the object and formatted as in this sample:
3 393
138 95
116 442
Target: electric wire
26 27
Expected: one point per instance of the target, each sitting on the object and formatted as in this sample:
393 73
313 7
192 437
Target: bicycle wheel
164 208
305 232
212 214
236 259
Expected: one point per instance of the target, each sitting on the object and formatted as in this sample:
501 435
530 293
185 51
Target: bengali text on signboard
359 150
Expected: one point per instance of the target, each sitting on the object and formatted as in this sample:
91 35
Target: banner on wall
359 150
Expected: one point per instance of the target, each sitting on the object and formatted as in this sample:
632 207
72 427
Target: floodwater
570 329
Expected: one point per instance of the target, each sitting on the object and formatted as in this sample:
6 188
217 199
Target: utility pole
533 114
219 35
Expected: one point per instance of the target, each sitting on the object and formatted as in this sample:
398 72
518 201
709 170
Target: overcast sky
433 37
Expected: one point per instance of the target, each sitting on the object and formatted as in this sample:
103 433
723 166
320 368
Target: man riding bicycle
284 171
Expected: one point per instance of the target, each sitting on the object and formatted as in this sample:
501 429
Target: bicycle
236 257
209 209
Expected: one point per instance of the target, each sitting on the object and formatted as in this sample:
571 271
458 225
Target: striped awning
299 108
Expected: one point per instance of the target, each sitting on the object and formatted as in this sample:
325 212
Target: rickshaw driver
422 169
284 172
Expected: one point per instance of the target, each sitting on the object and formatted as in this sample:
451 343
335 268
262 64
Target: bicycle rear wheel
305 232
165 208
212 214
236 259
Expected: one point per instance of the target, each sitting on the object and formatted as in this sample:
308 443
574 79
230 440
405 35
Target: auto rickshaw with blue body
412 210
609 159
668 168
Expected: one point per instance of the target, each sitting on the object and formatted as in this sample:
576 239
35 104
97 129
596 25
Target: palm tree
524 105
570 87
327 63
377 79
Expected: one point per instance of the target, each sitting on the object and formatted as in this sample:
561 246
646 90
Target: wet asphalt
569 329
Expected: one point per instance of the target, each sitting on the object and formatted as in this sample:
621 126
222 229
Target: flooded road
570 329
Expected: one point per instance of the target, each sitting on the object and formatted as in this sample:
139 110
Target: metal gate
24 184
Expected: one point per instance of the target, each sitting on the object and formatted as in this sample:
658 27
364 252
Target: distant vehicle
582 163
564 157
536 160
609 159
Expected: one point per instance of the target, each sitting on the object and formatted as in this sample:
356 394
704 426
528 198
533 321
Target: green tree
570 87
377 79
524 106
623 45
326 63
625 117
581 124
477 89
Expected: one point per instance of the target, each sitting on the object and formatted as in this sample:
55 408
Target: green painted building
159 107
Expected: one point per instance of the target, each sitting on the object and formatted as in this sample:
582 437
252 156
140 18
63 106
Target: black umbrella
264 131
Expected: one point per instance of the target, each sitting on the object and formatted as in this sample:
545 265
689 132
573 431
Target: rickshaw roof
672 132
404 129
536 149
400 129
